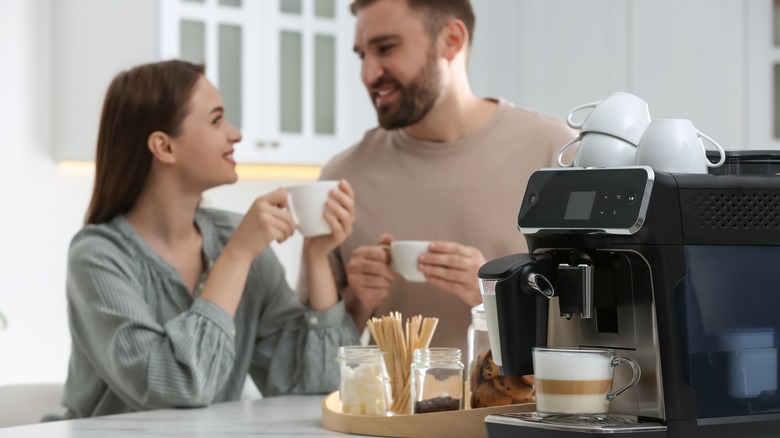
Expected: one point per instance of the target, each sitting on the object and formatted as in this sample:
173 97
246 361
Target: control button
631 198
614 212
533 198
619 197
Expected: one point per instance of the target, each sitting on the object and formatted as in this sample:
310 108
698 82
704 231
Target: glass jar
436 380
478 347
365 385
486 387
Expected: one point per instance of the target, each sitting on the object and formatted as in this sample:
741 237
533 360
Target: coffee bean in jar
436 380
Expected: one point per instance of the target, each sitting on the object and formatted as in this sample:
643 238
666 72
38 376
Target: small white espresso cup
577 381
307 205
599 150
674 145
621 115
404 255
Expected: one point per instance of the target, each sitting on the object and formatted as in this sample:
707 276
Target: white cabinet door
282 66
92 41
686 61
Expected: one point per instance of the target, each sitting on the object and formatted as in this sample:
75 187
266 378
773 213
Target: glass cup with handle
578 381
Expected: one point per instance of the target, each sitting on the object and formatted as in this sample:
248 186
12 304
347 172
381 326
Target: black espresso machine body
680 272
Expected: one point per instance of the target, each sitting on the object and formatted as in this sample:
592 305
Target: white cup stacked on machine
675 145
609 135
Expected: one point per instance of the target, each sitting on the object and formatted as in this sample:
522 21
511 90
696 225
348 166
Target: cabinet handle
259 144
275 144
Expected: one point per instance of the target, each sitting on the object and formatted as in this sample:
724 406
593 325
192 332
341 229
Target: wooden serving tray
468 423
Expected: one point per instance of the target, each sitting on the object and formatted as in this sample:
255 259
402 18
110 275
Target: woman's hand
340 215
267 220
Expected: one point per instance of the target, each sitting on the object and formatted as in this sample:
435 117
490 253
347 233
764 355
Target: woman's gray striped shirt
141 341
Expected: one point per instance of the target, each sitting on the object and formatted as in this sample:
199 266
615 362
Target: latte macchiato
571 381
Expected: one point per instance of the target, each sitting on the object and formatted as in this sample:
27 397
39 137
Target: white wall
686 59
42 204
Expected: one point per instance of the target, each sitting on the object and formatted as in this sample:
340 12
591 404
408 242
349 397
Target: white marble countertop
287 416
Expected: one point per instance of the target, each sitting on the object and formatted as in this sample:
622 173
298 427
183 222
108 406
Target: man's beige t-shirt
468 191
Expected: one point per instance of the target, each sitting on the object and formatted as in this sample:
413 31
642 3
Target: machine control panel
609 200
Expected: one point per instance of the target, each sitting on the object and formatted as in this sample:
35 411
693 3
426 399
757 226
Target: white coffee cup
599 150
674 145
620 115
404 255
307 205
577 381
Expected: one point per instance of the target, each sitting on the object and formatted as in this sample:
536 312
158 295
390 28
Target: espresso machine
680 272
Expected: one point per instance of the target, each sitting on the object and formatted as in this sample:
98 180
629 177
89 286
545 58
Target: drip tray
613 424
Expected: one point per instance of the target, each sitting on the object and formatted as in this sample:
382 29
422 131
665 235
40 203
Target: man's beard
416 99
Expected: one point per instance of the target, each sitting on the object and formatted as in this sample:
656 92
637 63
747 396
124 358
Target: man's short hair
436 13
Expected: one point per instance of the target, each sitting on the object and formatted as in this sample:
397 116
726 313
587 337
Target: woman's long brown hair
142 100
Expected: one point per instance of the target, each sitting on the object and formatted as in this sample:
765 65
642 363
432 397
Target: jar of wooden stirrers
399 341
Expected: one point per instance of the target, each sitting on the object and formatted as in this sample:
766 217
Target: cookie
514 387
489 368
486 395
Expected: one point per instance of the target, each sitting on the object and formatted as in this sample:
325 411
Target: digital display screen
579 206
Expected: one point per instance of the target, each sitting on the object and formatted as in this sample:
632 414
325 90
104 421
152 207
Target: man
444 166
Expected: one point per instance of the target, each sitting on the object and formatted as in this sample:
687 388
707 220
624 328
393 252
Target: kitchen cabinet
285 69
686 59
92 41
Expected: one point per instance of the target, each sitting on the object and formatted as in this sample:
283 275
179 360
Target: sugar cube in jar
365 384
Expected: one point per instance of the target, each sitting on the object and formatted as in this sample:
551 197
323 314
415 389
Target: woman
171 304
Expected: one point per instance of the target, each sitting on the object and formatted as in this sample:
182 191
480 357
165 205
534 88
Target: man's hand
453 267
369 276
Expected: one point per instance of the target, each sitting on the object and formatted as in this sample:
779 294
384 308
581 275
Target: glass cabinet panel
324 84
192 37
230 68
776 22
325 8
291 81
291 6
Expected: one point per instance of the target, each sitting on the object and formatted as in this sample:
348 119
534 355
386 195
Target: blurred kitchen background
291 82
